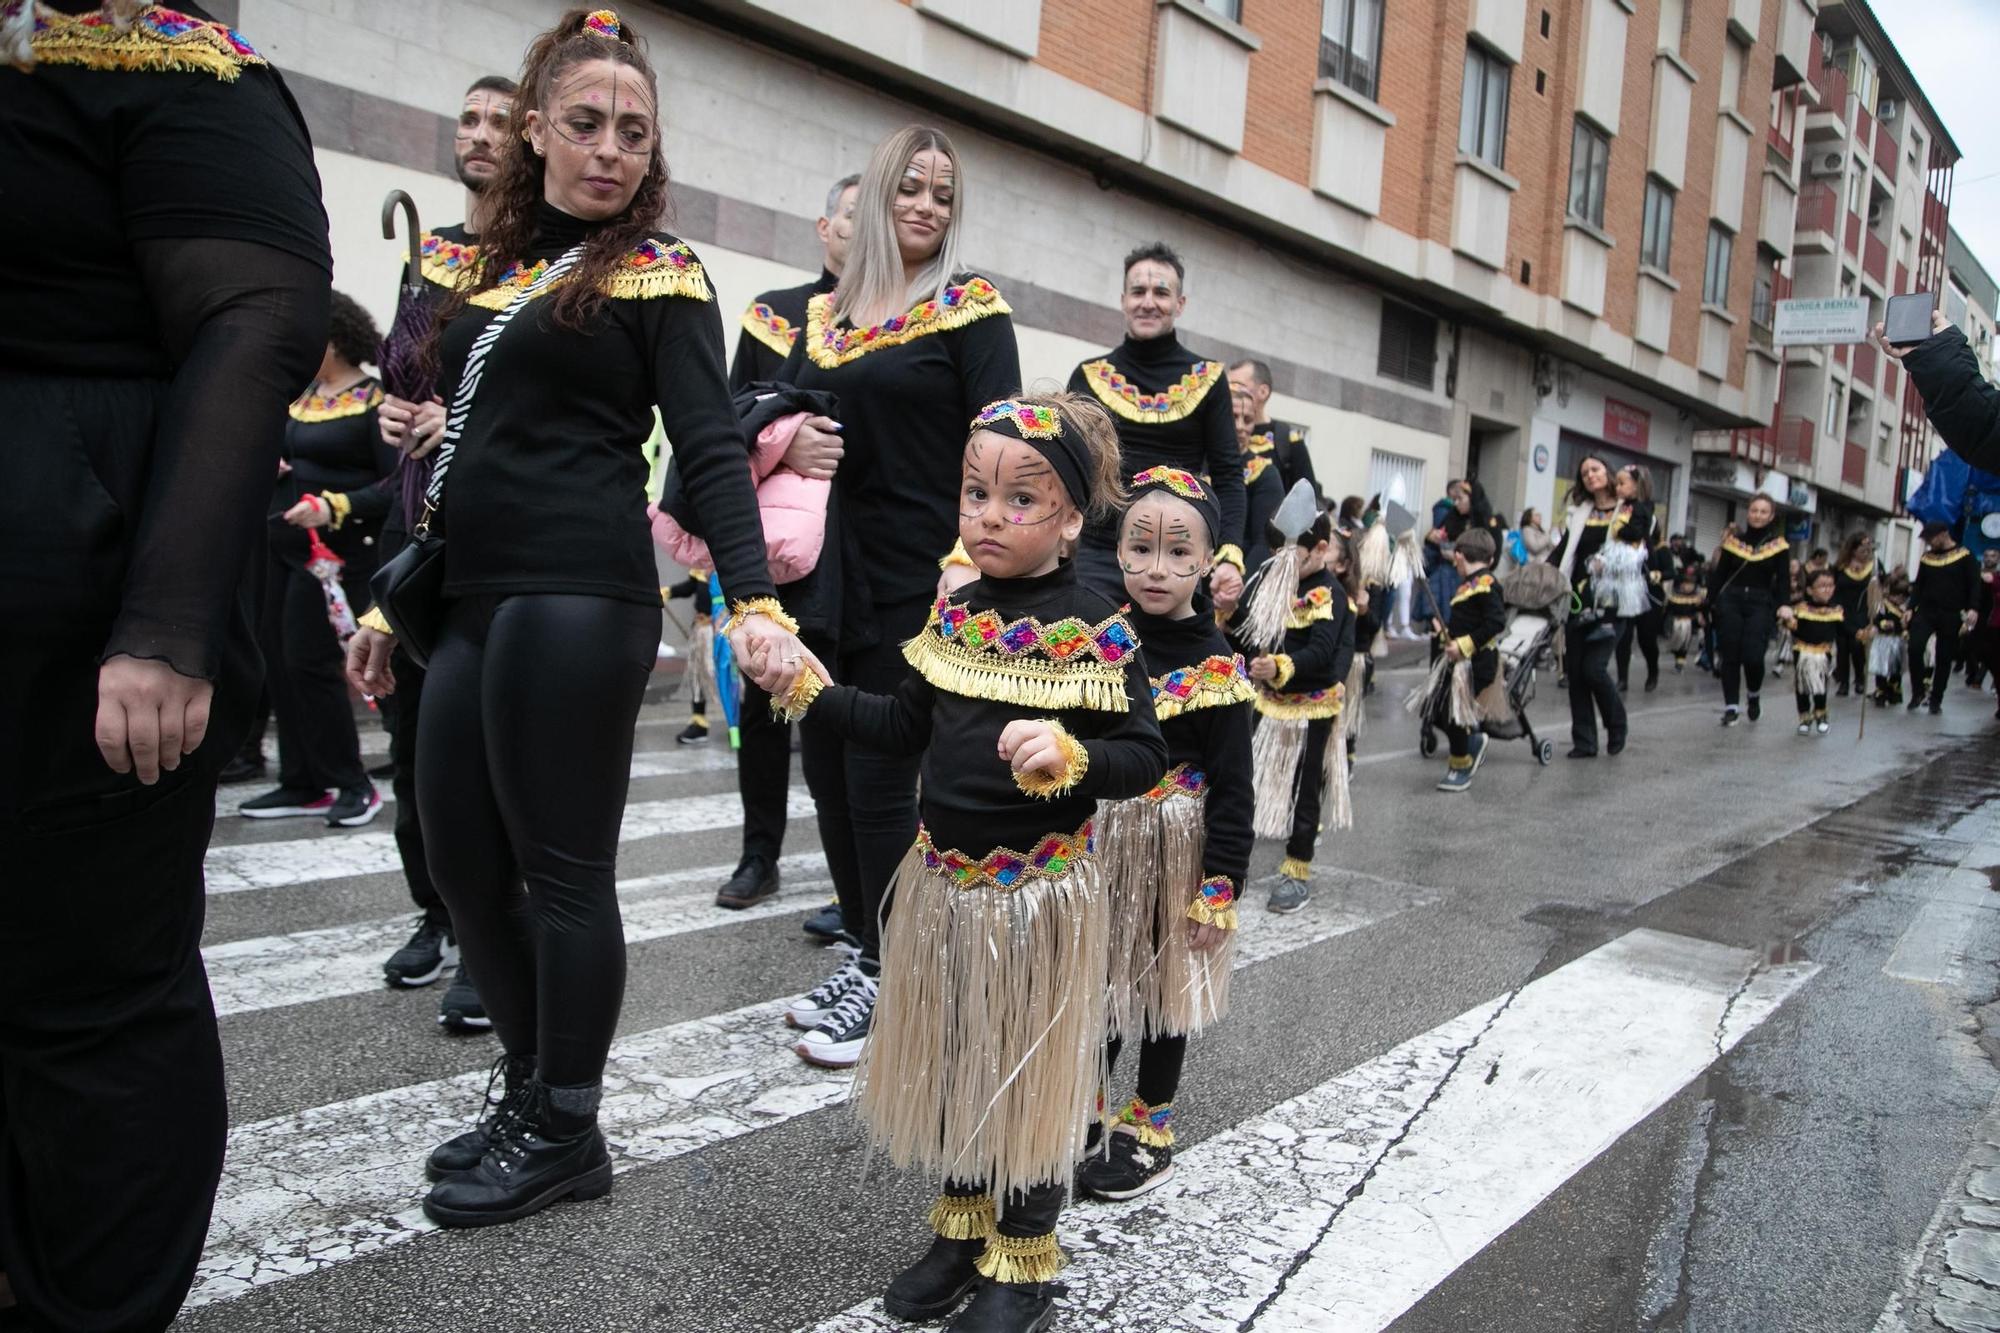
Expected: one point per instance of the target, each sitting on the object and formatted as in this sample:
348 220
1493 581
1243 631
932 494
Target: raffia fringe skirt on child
1160 987
986 1052
1885 656
1279 746
1815 669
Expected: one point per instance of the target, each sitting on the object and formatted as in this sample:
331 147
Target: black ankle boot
932 1287
514 1076
1008 1307
551 1151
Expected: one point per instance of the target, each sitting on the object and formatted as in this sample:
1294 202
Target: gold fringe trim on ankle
957 1217
1046 786
1153 1125
1293 868
1022 1259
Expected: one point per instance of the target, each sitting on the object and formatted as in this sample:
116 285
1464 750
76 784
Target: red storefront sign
1625 425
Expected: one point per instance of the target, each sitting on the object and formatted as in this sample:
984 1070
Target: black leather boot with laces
1008 1307
549 1152
932 1287
513 1076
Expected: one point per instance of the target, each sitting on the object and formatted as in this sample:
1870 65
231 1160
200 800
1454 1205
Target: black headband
1040 427
1183 486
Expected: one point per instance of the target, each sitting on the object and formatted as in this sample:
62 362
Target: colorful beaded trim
1005 869
1254 467
1184 484
829 345
1310 705
1110 641
1314 604
1214 682
650 269
1154 1123
1034 421
158 39
1180 780
445 262
351 402
1128 400
1484 583
770 328
1214 903
1069 664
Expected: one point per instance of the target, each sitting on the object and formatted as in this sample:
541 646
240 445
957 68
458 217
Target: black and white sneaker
423 960
836 1043
816 1005
286 803
1126 1170
460 1009
694 733
352 809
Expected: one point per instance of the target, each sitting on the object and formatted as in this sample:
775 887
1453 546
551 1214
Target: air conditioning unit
1877 210
1829 163
1888 110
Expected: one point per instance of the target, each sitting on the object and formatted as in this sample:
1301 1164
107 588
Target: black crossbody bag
409 589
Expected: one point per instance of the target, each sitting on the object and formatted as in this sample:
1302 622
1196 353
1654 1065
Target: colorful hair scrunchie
603 22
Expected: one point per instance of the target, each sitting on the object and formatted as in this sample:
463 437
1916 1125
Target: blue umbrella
726 683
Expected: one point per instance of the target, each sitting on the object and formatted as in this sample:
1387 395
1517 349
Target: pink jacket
793 509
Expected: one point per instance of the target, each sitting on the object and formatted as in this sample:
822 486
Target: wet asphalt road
1792 1183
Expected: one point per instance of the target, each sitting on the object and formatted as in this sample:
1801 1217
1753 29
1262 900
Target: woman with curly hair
584 319
333 446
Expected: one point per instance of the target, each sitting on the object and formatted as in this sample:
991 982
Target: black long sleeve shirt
1850 592
1961 404
1757 560
969 797
1171 408
908 391
1946 586
1478 615
334 445
769 327
1204 703
547 492
1264 492
1318 648
1816 625
1285 443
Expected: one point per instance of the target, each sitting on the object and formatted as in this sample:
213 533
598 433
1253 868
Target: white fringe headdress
1276 583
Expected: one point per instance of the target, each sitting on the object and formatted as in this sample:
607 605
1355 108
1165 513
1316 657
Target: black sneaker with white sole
694 733
460 1009
287 803
816 1005
423 960
354 807
1125 1170
836 1043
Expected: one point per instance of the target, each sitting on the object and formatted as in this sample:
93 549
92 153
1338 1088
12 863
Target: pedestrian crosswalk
1343 1204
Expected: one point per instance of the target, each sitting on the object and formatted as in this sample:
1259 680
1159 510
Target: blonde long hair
873 279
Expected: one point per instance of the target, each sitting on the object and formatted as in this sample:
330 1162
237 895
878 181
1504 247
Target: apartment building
1470 236
1859 165
1971 300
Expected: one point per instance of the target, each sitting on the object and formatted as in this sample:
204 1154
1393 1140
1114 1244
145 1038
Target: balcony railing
1864 364
1819 208
1792 440
1864 126
1854 465
1875 258
1831 81
1854 234
1885 150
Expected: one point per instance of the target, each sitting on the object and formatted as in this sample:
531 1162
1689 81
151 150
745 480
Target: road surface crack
1729 1006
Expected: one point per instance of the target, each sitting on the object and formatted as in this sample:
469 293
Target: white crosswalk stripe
1338 1210
304 1192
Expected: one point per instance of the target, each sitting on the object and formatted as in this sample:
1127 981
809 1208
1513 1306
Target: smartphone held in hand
1907 320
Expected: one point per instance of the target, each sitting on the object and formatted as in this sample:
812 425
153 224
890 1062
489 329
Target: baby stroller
1537 604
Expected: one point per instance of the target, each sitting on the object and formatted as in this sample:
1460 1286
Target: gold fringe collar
1951 557
350 402
1473 588
830 346
1255 467
1737 547
1068 664
157 40
649 270
770 328
1214 682
1825 615
445 262
1131 402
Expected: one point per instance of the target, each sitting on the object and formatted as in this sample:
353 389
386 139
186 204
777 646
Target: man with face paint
1172 410
1280 441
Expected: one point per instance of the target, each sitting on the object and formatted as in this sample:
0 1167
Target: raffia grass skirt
986 1052
1160 987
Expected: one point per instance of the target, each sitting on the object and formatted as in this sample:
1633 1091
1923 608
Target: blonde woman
913 345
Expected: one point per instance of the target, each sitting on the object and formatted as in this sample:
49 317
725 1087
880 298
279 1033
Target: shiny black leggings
526 735
1744 622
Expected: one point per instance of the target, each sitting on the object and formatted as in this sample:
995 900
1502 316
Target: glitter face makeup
1163 551
1013 511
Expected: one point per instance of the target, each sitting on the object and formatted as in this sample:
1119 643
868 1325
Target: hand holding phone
1908 319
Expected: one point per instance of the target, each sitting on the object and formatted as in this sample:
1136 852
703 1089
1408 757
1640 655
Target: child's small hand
1225 585
1031 746
954 577
1263 668
1451 650
1205 939
1361 603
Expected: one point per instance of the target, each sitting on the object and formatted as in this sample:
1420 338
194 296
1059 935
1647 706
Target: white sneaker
1822 727
1805 728
811 1009
836 1043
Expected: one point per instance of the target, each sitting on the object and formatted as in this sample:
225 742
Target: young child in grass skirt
1456 699
1888 651
1173 858
1816 624
1029 701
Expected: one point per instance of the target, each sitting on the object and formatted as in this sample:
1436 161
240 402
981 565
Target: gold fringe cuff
1466 647
1286 670
1214 904
1044 785
1231 554
792 705
340 505
1022 1259
959 1217
1153 1125
373 619
769 607
956 556
1293 868
1097 686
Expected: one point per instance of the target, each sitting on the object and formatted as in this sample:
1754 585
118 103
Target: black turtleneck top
1319 636
547 492
1759 560
969 798
1204 702
1263 492
1172 409
1946 586
908 390
334 445
769 327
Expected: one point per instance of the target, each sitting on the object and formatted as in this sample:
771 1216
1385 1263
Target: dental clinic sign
1820 321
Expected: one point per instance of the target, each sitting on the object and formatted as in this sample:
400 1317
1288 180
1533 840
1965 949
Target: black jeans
867 800
1160 1062
1646 630
1306 793
318 746
400 712
527 752
1744 621
1930 684
1587 653
1850 661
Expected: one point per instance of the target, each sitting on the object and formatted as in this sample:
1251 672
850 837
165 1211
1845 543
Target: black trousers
764 763
527 752
1592 692
1645 630
1810 705
867 800
318 746
1850 662
1306 790
1744 621
1160 1063
1925 684
400 712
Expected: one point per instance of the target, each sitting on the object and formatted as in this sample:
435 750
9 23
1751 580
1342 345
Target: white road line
1381 1182
307 966
302 1193
275 865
